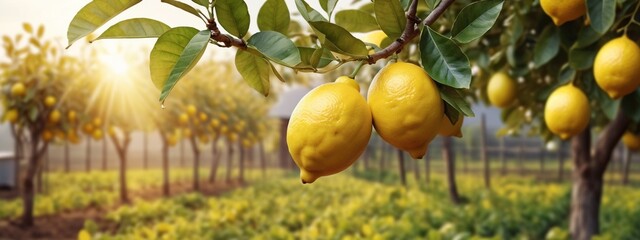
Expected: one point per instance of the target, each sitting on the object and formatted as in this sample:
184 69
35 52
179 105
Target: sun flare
115 63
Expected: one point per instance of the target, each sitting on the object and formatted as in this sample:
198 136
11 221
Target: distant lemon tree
539 47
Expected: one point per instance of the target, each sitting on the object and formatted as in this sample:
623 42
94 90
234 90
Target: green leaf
274 16
601 13
356 21
204 3
582 58
547 46
452 113
455 99
276 73
444 60
95 14
308 13
185 7
328 6
630 105
432 3
475 20
390 17
277 47
586 37
255 70
174 54
135 28
233 15
340 40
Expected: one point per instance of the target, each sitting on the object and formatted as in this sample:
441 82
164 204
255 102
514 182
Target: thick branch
580 146
609 139
411 30
225 39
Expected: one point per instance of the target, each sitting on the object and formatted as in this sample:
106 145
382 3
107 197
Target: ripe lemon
18 90
376 37
47 135
54 116
191 110
632 141
172 139
562 11
567 111
215 123
203 116
11 116
73 136
615 67
97 122
501 90
72 116
183 119
406 107
88 128
49 101
447 129
329 129
97 134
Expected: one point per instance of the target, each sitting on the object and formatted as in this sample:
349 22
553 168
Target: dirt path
66 225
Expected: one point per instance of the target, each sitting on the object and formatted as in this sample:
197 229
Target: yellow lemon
88 128
97 122
567 111
501 90
246 143
72 136
191 110
72 116
187 133
47 135
632 141
329 128
376 37
215 123
233 137
97 134
615 67
18 90
203 117
406 107
447 129
111 131
11 116
172 140
203 138
54 117
49 101
183 119
562 11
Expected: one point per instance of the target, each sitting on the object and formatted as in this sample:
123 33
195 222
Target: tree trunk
28 193
561 161
381 158
416 169
67 162
123 175
145 151
542 155
18 154
215 161
427 162
403 175
196 163
449 158
87 164
243 155
588 172
627 166
40 172
503 160
263 159
104 153
483 152
166 191
181 153
284 152
229 160
521 156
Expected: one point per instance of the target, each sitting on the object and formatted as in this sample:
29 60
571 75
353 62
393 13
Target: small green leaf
432 3
255 70
95 14
174 54
274 16
586 37
451 113
321 58
547 46
340 40
475 20
275 72
454 98
328 6
356 21
308 13
630 105
390 17
185 7
277 47
602 13
135 28
204 3
233 15
582 58
444 60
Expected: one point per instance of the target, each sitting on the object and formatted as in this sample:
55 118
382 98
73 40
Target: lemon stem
355 71
633 19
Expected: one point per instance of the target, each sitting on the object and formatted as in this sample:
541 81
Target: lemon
11 116
567 111
203 117
97 134
562 11
632 141
183 119
18 90
97 122
203 138
329 128
447 129
187 133
49 101
172 140
406 107
73 136
233 137
215 123
376 37
47 135
72 116
88 128
111 131
501 90
191 110
54 117
615 67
